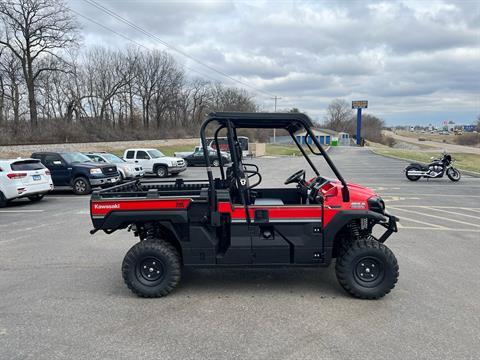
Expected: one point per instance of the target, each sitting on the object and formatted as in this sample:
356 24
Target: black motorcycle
435 170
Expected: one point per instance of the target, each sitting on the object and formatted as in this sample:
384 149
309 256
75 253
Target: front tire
453 174
161 171
81 186
412 177
152 268
216 163
367 270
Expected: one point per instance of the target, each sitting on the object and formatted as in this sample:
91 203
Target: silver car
127 171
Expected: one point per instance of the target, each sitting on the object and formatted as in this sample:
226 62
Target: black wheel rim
150 271
368 271
80 186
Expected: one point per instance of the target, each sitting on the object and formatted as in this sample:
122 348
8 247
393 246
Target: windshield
113 159
76 158
155 154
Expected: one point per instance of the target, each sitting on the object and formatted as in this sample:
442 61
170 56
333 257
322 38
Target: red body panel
103 207
283 212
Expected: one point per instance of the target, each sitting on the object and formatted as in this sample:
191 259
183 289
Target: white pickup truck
155 162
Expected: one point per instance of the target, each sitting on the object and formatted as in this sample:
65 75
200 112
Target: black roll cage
291 122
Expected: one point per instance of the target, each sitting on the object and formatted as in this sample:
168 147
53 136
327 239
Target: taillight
16 175
47 172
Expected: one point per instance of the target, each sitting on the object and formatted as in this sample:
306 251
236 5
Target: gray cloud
421 55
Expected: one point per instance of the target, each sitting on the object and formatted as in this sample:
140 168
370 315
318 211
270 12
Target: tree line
53 89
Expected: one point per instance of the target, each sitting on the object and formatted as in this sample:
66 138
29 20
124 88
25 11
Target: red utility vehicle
230 221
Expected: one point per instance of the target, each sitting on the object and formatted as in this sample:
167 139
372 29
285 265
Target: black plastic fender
341 219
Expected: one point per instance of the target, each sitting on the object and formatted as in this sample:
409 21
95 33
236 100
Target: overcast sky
415 61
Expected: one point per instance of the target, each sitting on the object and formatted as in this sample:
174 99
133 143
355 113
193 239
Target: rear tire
81 186
367 270
36 198
152 268
453 174
216 163
412 177
3 200
161 171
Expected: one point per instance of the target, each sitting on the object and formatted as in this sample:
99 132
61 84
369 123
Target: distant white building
343 139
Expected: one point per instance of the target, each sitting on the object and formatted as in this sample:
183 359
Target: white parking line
439 206
435 216
435 195
451 212
471 209
67 197
431 226
20 211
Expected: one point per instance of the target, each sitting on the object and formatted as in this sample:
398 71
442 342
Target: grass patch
276 150
462 161
447 139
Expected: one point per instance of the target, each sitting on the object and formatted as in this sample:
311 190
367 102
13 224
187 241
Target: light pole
274 130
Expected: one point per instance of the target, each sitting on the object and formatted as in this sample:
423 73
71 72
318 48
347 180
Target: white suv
21 178
155 162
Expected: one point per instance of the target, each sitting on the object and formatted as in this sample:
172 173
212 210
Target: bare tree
10 70
338 115
32 29
107 73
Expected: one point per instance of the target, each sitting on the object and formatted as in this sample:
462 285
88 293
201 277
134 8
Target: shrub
388 140
468 139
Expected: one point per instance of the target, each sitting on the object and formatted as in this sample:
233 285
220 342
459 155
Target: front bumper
390 224
104 181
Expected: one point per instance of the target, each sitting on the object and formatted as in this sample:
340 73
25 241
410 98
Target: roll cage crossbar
291 122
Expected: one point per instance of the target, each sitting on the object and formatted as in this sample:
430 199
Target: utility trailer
230 221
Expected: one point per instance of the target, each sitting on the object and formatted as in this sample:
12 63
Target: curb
466 172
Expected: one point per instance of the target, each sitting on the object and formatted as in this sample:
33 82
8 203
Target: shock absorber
354 230
150 230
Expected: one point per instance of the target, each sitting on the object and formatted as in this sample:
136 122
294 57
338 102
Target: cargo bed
151 190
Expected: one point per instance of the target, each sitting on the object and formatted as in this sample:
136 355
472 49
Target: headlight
95 171
376 203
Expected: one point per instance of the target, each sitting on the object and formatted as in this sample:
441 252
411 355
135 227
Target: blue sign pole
359 125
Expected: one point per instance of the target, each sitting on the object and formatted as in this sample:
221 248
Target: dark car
76 170
197 158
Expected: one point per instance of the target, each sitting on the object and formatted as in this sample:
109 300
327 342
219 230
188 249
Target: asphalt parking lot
62 294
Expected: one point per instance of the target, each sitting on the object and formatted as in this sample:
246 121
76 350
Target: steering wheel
295 178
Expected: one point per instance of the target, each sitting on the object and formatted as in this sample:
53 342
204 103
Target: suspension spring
355 230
